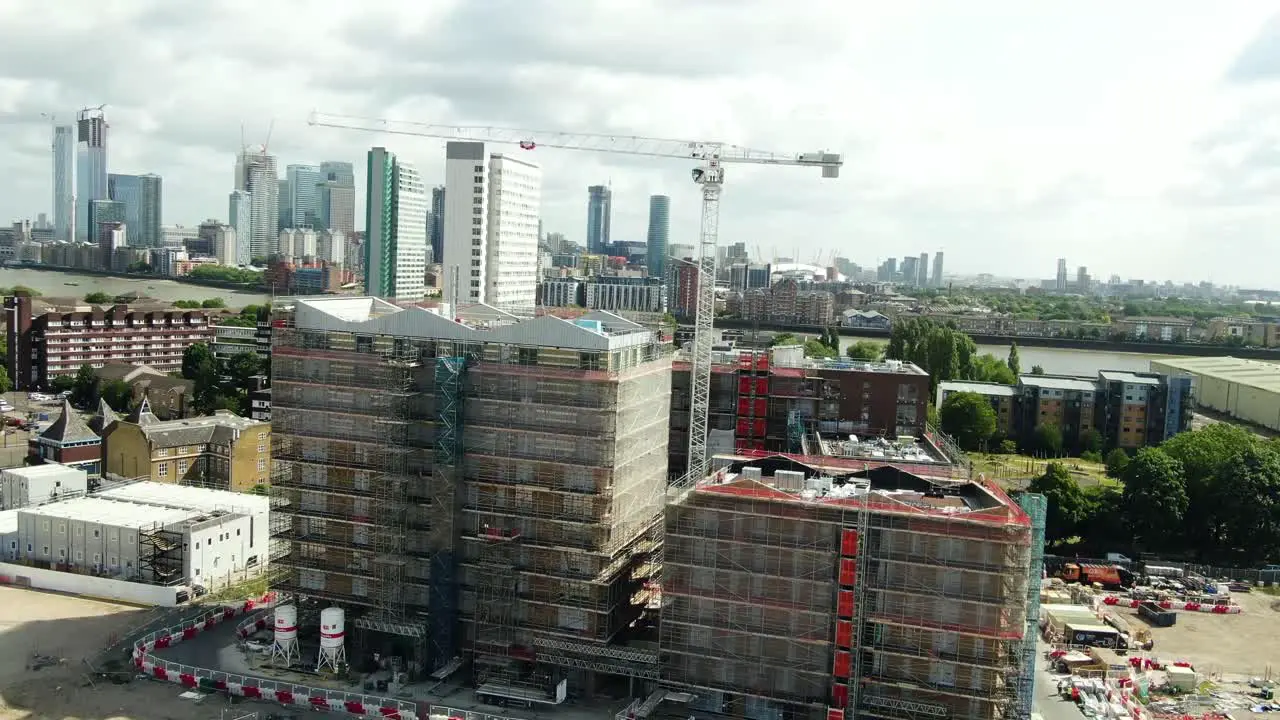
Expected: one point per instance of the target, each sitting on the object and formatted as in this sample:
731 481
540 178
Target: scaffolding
1036 507
497 589
446 502
786 601
160 555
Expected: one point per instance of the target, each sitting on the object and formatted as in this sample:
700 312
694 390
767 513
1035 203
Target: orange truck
1108 576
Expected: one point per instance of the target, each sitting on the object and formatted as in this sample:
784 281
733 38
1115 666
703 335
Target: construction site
475 490
792 590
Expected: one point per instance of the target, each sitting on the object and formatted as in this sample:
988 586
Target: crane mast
709 174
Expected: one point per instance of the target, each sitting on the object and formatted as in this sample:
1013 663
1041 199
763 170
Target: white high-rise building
331 246
296 243
395 246
515 200
490 244
224 245
91 166
240 217
64 182
256 175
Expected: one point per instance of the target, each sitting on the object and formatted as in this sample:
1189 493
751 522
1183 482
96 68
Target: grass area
1014 471
252 588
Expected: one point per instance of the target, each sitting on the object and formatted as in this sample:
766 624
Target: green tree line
1212 495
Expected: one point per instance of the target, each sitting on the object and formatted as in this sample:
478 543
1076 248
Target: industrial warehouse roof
119 513
187 497
1253 373
472 323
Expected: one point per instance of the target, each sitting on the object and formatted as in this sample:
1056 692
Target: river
1060 361
54 284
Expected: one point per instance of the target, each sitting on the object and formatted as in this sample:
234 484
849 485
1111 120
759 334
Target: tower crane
710 156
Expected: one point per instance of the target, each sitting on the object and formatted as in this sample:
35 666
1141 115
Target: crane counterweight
709 174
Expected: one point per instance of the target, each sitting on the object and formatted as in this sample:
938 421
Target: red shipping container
848 572
759 428
762 407
844 604
837 713
849 543
844 634
744 386
842 664
744 428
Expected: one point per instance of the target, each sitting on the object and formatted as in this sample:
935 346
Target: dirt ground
75 630
1246 644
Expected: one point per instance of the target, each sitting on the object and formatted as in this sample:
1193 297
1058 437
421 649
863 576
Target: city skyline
1005 172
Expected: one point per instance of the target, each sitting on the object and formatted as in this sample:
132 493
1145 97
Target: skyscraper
599 211
659 234
1061 283
338 197
1083 281
511 257
91 166
141 195
64 182
937 269
240 217
923 280
256 175
395 246
435 224
304 186
910 271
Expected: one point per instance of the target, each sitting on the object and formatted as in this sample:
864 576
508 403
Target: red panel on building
842 664
849 543
759 445
839 698
762 407
844 633
744 386
844 604
848 572
762 361
744 406
762 386
759 428
838 713
744 428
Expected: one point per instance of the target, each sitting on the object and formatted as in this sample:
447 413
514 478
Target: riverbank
1149 348
72 283
139 276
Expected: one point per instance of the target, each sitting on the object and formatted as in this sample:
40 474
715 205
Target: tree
943 352
785 338
1155 497
818 349
1048 440
214 303
1068 506
1117 461
86 386
98 298
1244 520
1104 526
195 358
118 395
242 367
1208 457
969 418
989 368
865 350
63 383
5 383
1091 441
1015 365
1037 370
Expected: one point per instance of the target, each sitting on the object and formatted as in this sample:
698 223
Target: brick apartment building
769 402
45 340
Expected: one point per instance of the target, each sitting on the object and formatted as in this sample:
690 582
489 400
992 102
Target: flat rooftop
981 388
884 489
594 331
36 472
118 513
1127 377
188 498
877 449
8 522
1252 373
1059 382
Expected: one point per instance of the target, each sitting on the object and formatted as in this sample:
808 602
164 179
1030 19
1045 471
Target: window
262 466
237 532
477 211
162 452
182 467
197 544
96 532
479 168
262 447
62 528
262 437
477 200
475 232
476 221
46 549
162 470
479 179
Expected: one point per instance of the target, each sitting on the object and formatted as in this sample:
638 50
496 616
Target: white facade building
331 245
240 217
490 245
225 246
396 229
515 201
256 174
24 486
296 243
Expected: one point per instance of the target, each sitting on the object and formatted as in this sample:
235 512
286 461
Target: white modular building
23 486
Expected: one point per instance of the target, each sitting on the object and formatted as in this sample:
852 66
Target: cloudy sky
1136 137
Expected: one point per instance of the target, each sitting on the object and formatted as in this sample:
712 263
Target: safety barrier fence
256 616
1187 605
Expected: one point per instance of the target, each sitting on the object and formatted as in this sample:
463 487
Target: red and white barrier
1187 606
252 687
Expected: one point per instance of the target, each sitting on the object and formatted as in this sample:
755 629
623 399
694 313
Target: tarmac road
1047 702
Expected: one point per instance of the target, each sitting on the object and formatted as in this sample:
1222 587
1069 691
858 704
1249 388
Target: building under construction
793 591
474 488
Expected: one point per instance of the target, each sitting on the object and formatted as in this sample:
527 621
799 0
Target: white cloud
1127 136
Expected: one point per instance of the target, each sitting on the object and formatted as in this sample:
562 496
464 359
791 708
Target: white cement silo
284 649
333 639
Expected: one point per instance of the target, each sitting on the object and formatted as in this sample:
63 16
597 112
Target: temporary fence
1187 605
252 687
